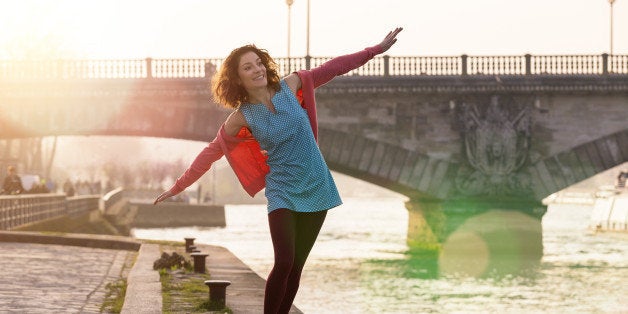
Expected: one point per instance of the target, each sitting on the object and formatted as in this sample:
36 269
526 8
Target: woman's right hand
162 197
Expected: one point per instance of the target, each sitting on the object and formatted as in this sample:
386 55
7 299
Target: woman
270 141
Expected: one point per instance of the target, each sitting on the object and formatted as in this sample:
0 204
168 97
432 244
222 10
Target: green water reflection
474 237
427 265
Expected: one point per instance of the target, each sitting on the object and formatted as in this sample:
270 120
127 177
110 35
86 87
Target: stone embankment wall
176 215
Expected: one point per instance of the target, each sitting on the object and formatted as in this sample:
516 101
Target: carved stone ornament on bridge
496 143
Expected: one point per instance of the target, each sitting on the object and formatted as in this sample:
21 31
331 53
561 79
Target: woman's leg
307 227
282 232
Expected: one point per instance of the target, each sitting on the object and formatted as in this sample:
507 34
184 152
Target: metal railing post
605 63
149 68
386 65
528 63
464 64
208 70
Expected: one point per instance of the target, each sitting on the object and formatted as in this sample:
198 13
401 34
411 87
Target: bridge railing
72 69
584 64
379 66
112 197
494 65
434 65
618 64
182 68
19 210
82 203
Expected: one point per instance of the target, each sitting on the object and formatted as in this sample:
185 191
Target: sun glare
44 30
118 29
29 31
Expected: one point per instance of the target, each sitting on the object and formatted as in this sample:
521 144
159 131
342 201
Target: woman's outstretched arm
199 166
343 64
205 158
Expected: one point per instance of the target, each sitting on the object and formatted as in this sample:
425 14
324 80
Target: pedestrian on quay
12 183
270 141
68 188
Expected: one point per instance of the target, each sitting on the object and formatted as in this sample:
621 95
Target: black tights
293 236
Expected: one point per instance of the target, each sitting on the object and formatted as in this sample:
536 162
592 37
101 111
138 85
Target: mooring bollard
217 293
188 242
199 261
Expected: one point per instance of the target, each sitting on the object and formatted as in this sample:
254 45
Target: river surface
360 263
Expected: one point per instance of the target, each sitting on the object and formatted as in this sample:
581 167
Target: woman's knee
284 264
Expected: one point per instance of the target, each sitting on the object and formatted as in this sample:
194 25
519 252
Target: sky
137 29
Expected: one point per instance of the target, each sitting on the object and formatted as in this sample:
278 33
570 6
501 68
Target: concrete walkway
143 292
244 295
246 292
43 273
52 278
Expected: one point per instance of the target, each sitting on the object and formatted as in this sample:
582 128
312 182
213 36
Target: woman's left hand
390 39
162 197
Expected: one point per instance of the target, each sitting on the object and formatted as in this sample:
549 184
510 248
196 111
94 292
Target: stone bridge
450 137
457 135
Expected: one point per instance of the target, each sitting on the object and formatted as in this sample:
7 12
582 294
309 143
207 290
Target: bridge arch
429 177
569 167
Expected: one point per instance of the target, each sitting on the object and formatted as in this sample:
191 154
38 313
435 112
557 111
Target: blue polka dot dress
299 178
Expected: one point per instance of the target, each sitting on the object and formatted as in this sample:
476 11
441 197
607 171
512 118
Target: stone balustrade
380 66
19 210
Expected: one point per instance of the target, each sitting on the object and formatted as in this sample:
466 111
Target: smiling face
246 68
251 71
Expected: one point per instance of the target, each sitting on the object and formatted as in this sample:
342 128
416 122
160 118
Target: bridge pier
477 237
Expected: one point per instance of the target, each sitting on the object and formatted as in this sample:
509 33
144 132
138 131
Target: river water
360 262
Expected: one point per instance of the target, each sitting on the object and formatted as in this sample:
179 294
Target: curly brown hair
225 87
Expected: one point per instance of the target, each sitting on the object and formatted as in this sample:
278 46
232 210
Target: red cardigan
243 152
